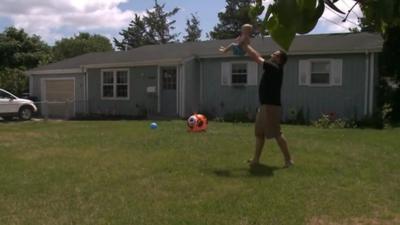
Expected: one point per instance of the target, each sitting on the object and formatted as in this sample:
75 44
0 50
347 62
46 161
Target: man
267 125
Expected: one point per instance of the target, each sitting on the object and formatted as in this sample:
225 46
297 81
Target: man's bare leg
281 140
260 140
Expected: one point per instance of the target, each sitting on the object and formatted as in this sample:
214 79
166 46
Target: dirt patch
325 220
12 136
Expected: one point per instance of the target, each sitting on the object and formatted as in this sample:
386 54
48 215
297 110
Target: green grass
122 172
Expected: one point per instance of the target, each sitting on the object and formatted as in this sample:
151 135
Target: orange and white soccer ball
197 122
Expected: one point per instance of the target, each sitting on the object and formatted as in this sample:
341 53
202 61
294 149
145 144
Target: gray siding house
325 73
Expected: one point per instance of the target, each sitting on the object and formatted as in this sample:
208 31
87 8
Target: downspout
183 84
178 88
158 90
371 84
86 90
30 84
366 83
183 89
201 84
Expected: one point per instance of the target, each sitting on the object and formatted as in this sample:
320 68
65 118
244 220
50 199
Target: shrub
379 120
296 117
331 121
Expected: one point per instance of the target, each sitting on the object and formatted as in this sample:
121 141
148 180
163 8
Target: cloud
332 22
54 19
266 3
49 18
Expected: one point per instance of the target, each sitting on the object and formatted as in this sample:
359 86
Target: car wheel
25 113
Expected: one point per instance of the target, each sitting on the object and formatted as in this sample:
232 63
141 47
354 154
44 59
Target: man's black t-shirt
269 90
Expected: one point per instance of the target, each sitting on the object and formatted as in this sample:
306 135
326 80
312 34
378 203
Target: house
325 73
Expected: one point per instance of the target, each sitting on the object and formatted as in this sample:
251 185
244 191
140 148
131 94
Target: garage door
60 98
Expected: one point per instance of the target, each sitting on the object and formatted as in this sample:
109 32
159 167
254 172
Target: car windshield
5 95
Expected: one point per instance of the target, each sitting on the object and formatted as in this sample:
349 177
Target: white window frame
251 67
232 74
115 84
308 71
330 72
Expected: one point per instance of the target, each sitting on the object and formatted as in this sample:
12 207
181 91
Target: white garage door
60 98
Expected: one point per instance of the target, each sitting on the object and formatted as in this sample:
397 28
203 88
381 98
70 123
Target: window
239 73
122 84
115 84
320 72
108 84
4 95
242 73
169 78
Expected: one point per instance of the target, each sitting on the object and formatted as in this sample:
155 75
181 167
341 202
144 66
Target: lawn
122 172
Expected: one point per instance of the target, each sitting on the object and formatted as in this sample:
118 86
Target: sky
53 20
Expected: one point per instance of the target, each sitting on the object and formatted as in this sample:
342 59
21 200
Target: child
241 41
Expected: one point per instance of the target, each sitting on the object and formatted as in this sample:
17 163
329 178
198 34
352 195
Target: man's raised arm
253 54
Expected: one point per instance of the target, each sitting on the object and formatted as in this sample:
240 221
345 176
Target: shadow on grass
11 121
259 170
17 120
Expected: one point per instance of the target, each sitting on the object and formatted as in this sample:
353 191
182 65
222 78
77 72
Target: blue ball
153 125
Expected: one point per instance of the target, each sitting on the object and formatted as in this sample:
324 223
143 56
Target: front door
168 91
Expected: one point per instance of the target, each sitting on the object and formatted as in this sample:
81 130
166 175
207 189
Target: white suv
11 106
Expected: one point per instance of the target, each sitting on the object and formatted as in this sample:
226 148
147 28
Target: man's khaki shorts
268 121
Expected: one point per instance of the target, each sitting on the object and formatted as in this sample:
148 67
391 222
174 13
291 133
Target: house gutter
296 53
55 72
134 64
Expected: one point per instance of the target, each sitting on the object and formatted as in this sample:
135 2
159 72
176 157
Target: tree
285 18
384 16
390 73
153 28
80 44
19 52
236 14
192 29
133 36
14 80
159 29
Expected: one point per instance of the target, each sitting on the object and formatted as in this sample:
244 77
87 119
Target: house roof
303 44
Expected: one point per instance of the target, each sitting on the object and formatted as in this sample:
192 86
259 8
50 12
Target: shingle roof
304 44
